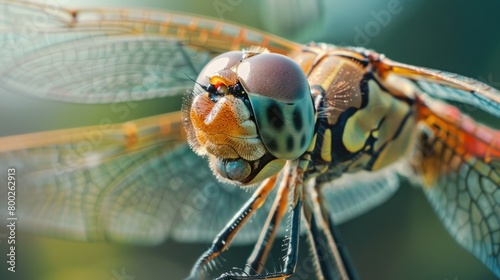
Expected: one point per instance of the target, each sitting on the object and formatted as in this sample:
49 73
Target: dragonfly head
254 113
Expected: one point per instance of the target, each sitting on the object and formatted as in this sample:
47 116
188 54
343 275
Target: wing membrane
355 194
459 163
100 56
136 182
448 86
456 158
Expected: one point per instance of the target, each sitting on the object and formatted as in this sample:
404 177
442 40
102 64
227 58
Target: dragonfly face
152 197
255 112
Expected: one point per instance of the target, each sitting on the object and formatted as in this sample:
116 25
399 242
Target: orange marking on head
214 119
224 77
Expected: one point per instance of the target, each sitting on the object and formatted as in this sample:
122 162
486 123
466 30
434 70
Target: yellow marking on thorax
326 151
359 126
368 121
397 147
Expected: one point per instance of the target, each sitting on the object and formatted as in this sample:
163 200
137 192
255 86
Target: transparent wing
106 55
447 86
135 182
458 160
355 194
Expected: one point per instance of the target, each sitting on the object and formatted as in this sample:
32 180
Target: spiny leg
291 255
329 252
257 259
224 238
323 257
336 240
296 188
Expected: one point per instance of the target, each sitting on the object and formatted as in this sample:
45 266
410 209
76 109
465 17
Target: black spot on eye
297 119
272 145
303 140
289 143
275 116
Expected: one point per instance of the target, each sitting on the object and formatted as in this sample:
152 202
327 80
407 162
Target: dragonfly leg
257 259
291 255
224 238
329 252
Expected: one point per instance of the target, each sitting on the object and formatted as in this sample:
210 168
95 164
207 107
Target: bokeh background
402 239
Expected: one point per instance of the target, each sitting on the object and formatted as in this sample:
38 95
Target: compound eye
274 76
281 100
218 63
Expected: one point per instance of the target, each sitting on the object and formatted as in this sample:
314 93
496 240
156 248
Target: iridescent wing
458 159
106 55
354 194
446 86
136 182
133 182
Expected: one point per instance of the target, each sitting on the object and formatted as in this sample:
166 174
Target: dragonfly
128 182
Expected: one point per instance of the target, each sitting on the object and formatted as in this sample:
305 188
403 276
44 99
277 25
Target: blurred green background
402 239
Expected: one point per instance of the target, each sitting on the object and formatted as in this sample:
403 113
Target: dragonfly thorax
253 113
